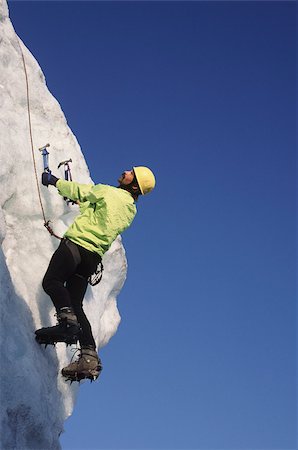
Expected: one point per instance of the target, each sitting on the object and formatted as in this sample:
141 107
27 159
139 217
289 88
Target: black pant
66 282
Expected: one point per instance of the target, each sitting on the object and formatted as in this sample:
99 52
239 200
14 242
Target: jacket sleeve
74 191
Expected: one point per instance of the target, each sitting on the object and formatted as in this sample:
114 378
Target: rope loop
50 230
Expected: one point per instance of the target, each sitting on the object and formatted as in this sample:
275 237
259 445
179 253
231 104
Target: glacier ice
35 401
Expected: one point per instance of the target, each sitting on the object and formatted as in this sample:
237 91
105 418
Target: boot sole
83 375
47 340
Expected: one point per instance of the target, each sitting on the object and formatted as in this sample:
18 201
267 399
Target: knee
45 284
48 284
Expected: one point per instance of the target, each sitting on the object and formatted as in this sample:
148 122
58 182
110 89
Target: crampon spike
47 343
79 378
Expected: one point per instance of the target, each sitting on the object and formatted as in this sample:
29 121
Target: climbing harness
96 277
73 250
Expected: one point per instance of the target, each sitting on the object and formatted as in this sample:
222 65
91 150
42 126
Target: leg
61 267
66 283
77 287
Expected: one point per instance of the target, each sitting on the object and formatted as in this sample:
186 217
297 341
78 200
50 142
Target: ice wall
35 400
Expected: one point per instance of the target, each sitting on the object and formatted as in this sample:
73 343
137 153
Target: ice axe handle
45 155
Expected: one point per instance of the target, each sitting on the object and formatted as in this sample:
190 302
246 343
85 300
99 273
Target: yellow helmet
145 179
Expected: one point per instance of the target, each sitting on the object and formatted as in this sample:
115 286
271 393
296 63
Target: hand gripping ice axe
46 168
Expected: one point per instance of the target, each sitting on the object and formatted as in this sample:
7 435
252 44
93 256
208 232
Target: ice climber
105 212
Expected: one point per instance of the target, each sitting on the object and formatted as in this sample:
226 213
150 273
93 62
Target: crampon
63 332
88 366
79 376
67 329
51 340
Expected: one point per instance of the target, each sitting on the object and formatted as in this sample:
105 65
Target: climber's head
140 178
138 181
145 179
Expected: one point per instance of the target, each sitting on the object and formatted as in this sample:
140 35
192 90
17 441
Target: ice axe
45 155
67 175
67 172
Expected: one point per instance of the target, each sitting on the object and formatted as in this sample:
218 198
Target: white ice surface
35 401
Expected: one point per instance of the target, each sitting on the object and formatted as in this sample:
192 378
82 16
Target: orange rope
46 222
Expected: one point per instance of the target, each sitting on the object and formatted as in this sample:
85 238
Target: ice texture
35 400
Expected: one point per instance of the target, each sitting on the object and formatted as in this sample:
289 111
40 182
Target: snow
35 400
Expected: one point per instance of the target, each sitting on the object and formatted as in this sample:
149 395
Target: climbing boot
67 330
87 366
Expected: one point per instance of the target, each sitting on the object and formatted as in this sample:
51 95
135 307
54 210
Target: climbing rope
46 222
95 278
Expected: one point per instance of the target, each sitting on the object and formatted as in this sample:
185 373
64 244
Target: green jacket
105 212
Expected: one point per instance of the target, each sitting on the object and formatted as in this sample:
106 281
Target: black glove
47 178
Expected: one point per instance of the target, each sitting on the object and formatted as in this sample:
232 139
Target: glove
47 178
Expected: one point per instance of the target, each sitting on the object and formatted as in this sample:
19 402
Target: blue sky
204 94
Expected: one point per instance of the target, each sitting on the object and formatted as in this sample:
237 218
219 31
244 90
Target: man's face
127 177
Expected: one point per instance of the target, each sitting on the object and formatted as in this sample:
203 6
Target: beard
120 179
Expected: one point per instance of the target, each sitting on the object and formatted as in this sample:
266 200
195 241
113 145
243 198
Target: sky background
204 94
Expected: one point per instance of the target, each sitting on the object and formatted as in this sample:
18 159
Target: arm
74 191
70 189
